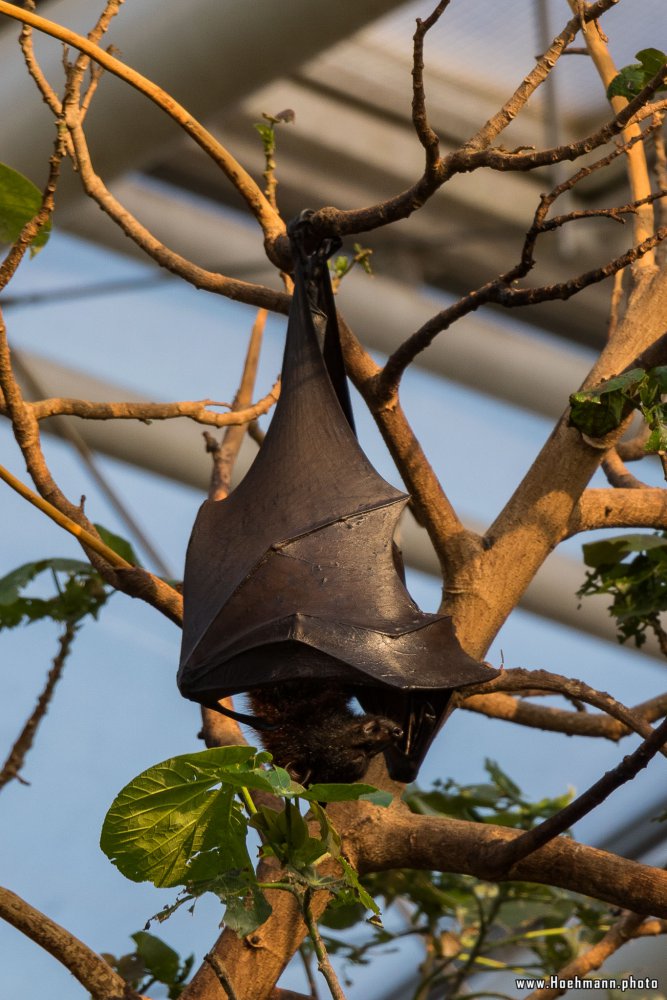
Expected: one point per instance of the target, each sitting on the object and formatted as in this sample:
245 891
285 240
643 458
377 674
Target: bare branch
428 138
267 217
438 844
233 288
618 474
12 766
87 539
132 580
85 965
197 410
226 452
32 228
546 62
522 680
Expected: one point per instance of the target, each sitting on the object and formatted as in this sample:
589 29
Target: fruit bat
296 576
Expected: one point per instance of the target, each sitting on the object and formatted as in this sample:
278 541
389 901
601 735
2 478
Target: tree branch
196 410
211 281
85 965
519 679
267 217
12 766
619 508
619 934
502 859
638 175
398 839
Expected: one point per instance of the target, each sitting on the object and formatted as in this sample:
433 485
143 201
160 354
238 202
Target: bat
295 577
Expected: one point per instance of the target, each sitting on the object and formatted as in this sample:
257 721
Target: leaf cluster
341 265
152 961
632 569
633 78
79 588
186 822
600 410
79 591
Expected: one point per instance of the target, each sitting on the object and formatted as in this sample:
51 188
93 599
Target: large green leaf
180 820
20 201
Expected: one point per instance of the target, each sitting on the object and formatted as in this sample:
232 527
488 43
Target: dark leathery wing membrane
295 574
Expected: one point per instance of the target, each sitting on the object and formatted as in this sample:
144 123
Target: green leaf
119 544
610 551
20 201
81 593
345 793
631 79
161 961
245 915
180 821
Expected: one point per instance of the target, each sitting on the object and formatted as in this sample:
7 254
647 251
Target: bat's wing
294 575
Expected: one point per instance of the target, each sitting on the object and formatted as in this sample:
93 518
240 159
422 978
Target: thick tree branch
85 965
394 839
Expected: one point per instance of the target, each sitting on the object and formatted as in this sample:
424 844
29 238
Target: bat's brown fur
314 733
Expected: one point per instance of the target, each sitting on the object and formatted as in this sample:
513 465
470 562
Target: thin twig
518 679
323 961
308 969
232 288
12 766
85 537
426 135
226 452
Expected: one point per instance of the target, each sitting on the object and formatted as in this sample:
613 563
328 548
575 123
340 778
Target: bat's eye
396 732
371 727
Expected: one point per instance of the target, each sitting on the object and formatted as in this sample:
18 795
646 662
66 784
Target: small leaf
20 201
245 915
120 545
160 960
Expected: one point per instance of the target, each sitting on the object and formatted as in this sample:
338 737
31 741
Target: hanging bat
293 588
